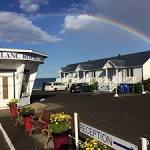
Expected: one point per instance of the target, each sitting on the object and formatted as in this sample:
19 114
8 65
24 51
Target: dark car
80 87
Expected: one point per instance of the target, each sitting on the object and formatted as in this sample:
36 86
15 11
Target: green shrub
13 102
94 86
146 84
27 111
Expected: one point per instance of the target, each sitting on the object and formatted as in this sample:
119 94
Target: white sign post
145 143
105 138
76 130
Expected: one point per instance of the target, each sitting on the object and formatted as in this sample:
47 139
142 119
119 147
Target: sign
105 138
20 56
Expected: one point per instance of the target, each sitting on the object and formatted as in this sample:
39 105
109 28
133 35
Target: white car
55 86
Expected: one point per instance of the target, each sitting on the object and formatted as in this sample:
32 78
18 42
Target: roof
129 60
23 51
119 63
69 68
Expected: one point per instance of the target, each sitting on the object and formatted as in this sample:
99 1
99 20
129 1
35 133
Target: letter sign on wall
20 56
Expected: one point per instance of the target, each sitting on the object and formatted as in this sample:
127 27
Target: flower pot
13 110
60 141
27 123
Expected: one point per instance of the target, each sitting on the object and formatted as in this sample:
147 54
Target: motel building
18 69
108 72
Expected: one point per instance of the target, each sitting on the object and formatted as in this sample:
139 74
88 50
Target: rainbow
109 21
121 26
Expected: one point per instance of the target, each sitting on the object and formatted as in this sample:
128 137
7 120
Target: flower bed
92 144
13 102
60 122
13 110
27 111
60 126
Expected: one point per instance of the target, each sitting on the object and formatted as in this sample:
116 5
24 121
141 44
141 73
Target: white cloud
14 27
32 6
77 8
79 22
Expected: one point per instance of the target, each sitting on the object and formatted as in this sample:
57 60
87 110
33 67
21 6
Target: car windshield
49 84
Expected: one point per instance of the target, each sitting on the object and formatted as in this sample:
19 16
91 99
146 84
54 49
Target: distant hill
39 81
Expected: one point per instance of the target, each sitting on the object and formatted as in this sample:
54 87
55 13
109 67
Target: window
80 74
70 75
49 84
56 83
130 72
94 74
62 75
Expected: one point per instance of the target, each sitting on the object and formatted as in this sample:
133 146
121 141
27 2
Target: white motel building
18 69
108 72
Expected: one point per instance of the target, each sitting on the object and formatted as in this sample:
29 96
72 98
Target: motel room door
6 88
3 88
3 91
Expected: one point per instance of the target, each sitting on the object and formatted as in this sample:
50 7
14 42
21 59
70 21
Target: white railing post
145 143
116 94
143 92
76 131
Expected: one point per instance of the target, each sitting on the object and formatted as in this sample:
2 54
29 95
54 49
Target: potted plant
60 124
92 144
13 107
27 113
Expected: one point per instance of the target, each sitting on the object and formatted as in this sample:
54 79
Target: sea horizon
39 81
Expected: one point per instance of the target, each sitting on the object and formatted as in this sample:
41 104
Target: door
5 87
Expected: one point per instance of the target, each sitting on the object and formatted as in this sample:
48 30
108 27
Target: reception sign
108 139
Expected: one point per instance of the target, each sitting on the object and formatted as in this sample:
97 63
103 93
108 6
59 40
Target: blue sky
71 31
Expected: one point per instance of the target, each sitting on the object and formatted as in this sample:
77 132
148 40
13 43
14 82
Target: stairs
107 87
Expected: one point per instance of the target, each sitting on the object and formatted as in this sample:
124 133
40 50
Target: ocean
39 81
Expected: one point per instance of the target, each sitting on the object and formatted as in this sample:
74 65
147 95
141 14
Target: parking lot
126 117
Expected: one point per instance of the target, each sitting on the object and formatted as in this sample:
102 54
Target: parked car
80 87
55 86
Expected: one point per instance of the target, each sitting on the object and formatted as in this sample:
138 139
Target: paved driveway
126 117
3 144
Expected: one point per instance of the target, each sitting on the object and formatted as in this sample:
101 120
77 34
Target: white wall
18 79
146 70
137 72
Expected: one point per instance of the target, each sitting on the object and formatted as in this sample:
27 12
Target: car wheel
55 89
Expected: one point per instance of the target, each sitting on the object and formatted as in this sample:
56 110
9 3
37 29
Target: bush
13 102
146 84
27 111
94 86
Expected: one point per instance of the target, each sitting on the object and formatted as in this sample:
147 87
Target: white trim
11 146
110 63
78 68
23 51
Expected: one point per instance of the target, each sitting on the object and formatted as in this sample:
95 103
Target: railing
130 79
103 86
112 85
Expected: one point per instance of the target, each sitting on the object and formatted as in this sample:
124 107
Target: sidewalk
20 139
4 145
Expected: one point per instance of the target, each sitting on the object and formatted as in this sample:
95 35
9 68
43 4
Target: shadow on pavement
38 95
